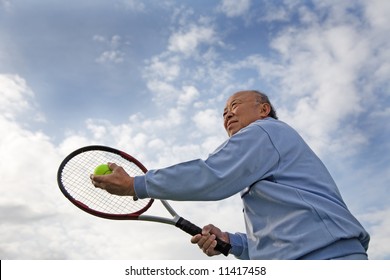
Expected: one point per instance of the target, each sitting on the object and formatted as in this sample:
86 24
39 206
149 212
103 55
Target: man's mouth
230 123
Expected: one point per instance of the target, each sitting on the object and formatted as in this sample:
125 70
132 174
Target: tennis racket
74 181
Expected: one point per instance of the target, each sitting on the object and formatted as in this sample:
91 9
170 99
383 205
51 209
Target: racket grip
192 229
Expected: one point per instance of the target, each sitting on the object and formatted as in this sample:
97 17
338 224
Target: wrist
130 186
225 237
140 187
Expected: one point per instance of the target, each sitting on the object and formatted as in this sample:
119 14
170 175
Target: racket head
73 178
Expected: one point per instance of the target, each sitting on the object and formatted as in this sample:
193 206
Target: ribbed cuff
140 187
237 246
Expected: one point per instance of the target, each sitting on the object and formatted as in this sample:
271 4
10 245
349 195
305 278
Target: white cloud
17 100
98 128
187 42
234 8
73 141
34 213
30 199
111 56
115 41
317 73
39 223
15 95
188 96
156 144
208 121
379 223
163 92
28 153
159 68
377 12
99 38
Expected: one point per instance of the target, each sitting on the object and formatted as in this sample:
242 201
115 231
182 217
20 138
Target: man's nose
228 115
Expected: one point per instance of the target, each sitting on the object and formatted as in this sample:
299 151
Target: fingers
101 179
98 180
207 240
112 166
117 183
206 243
209 229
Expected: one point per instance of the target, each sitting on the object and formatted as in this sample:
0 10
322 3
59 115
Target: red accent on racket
74 182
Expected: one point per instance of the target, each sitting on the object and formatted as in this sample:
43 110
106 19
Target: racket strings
76 181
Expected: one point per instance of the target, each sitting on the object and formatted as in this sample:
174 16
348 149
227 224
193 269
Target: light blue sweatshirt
292 207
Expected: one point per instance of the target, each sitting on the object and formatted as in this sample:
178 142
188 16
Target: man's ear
265 109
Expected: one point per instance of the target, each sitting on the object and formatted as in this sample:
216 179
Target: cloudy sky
152 77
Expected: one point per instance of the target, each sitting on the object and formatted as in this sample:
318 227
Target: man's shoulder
273 127
270 123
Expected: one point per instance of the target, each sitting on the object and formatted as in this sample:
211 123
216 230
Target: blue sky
152 78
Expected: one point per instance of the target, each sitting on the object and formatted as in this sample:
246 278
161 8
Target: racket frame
176 220
84 207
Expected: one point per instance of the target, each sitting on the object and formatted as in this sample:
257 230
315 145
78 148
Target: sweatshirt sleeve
239 244
242 160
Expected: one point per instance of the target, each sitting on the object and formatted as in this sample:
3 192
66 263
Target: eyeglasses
235 103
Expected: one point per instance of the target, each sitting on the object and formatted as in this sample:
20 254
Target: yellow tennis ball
102 169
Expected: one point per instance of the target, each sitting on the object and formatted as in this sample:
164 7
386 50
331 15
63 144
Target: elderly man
292 206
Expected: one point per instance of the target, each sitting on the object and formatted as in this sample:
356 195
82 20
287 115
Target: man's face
242 109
